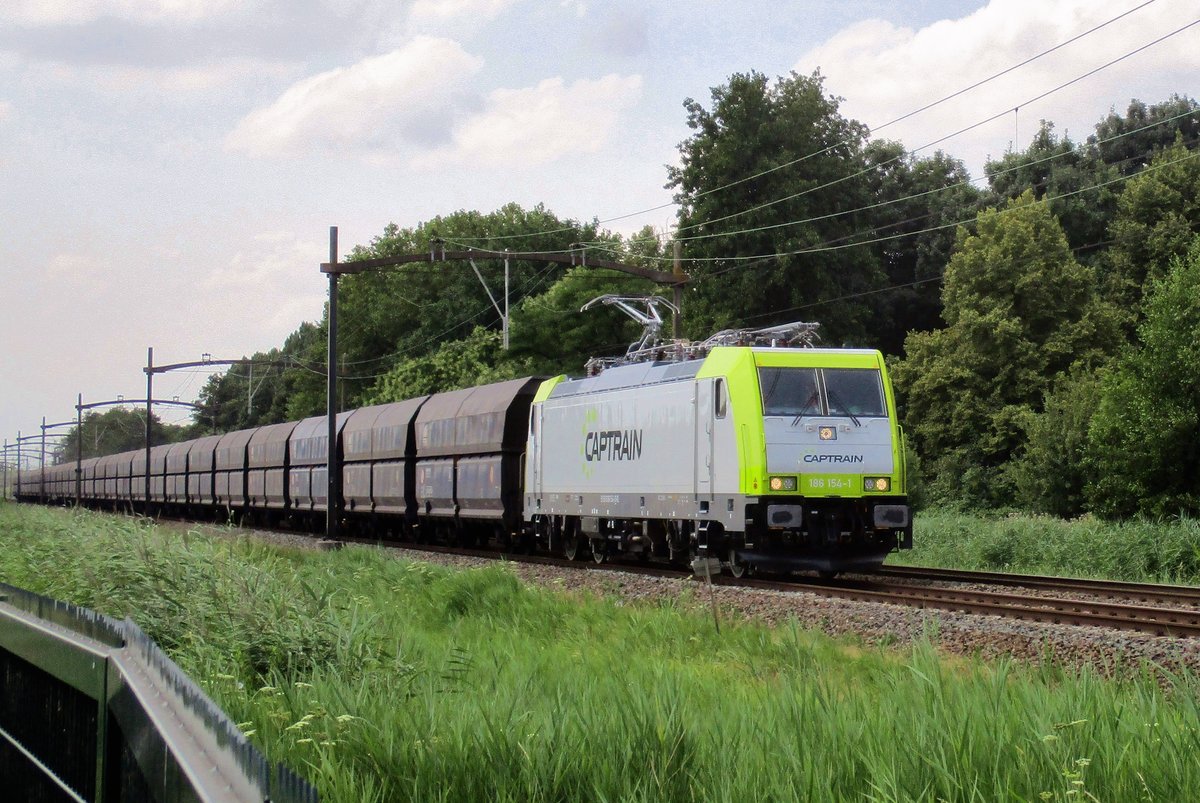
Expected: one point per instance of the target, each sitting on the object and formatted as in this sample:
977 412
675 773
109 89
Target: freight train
756 454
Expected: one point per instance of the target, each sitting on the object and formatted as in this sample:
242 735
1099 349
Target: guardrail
91 710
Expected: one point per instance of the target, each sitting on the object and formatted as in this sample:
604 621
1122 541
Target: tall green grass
388 680
1137 550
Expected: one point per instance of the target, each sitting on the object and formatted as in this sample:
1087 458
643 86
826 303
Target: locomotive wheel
737 567
599 550
678 553
574 546
679 549
571 550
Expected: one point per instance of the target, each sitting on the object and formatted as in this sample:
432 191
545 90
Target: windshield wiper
804 408
836 399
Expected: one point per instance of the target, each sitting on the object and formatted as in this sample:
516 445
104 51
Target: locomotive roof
629 376
652 373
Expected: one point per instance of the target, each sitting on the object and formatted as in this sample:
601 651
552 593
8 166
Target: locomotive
755 449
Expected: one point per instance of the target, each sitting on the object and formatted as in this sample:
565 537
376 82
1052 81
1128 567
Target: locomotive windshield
849 392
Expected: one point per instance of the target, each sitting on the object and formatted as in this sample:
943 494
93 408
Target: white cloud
539 124
424 11
77 270
375 106
885 71
6 110
200 78
68 12
276 266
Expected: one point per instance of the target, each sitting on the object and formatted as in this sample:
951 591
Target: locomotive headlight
828 433
782 483
876 484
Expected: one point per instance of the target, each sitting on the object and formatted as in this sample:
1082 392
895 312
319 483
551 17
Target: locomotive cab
830 477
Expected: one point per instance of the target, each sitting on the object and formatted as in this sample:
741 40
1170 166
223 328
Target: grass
1136 550
388 680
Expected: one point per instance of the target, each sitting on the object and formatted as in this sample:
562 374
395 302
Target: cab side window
719 405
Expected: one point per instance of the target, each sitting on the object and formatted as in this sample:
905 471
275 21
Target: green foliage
1137 550
408 312
1019 311
1052 168
117 429
1157 217
914 195
733 162
475 360
1051 475
286 383
1133 151
415 682
1145 436
552 335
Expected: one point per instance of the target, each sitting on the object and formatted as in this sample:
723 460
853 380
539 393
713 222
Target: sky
170 168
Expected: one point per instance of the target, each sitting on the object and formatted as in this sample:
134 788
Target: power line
836 245
942 139
843 143
945 188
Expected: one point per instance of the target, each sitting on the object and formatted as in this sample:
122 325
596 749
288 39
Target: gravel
1113 653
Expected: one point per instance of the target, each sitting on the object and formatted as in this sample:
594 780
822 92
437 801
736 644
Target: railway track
1170 611
1112 589
1133 616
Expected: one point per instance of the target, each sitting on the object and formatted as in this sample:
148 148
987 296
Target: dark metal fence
92 710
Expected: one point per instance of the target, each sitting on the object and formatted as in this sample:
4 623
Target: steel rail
1168 622
1171 622
1145 592
1174 622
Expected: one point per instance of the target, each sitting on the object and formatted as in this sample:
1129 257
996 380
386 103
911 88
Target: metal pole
79 450
334 487
4 490
43 460
249 394
18 461
678 290
149 401
506 300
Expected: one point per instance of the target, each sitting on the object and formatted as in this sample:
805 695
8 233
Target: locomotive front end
831 486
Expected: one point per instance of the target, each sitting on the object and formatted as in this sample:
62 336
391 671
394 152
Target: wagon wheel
503 538
737 567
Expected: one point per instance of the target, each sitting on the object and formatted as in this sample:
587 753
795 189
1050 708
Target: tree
279 388
1157 216
1115 142
551 333
1057 170
760 176
1051 475
473 360
1144 440
916 200
1019 310
392 316
118 429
